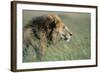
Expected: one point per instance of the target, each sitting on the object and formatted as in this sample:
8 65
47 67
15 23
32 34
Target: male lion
44 30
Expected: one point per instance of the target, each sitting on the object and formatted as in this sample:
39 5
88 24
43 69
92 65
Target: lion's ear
50 18
51 21
54 19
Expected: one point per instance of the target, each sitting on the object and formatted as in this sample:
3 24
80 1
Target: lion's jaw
65 34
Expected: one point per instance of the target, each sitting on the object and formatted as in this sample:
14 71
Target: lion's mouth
66 38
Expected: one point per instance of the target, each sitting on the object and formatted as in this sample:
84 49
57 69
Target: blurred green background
79 46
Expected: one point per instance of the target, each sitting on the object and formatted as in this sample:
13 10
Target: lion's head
57 29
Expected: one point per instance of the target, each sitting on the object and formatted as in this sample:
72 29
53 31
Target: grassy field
79 46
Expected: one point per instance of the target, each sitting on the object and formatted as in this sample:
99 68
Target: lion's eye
63 27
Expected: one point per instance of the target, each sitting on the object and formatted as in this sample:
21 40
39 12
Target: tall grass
77 49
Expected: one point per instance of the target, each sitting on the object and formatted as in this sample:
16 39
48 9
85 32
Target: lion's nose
70 34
